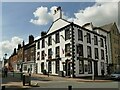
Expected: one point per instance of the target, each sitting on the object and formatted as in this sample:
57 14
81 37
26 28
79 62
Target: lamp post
5 58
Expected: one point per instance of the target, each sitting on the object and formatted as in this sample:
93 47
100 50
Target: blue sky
16 17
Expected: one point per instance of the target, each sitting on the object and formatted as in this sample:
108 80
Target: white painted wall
85 44
53 46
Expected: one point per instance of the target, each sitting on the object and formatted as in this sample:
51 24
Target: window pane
43 43
57 38
49 40
38 45
67 34
101 42
89 67
96 53
81 66
80 35
89 54
80 49
88 38
102 54
95 40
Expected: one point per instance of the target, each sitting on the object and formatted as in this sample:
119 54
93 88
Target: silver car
115 75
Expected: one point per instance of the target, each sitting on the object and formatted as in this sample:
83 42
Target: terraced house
70 49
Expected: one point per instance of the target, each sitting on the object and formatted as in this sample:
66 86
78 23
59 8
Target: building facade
12 62
113 45
19 57
71 49
29 56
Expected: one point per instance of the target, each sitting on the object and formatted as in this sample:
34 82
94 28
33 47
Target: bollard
23 80
3 87
69 87
29 79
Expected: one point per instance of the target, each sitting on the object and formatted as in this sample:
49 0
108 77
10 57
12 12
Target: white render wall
53 46
85 44
62 56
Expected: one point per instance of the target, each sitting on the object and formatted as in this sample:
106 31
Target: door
42 67
95 68
67 68
57 66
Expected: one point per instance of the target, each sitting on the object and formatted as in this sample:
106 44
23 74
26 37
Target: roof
56 25
107 27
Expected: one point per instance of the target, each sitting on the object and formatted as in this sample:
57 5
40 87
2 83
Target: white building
71 49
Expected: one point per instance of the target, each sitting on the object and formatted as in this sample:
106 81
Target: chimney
57 13
23 43
43 33
19 46
14 51
31 39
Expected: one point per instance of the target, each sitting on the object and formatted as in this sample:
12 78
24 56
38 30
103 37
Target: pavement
56 78
16 82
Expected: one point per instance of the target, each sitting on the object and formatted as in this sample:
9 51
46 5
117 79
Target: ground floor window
18 66
102 65
30 67
81 66
49 66
25 67
86 68
57 66
89 67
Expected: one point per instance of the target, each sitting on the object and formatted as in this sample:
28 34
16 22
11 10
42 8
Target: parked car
115 75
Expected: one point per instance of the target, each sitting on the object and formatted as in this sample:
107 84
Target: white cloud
103 12
42 15
8 46
99 14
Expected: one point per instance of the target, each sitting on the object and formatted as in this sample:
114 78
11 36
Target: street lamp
5 59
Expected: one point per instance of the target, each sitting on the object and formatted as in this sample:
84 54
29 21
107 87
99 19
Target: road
51 82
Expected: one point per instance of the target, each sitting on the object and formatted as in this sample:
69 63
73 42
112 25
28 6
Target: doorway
95 68
42 67
67 67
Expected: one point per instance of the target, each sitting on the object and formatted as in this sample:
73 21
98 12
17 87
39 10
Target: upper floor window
101 42
43 55
38 45
102 54
67 34
67 49
57 38
88 38
96 53
38 55
95 40
49 40
80 49
43 43
50 53
80 35
57 51
89 53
